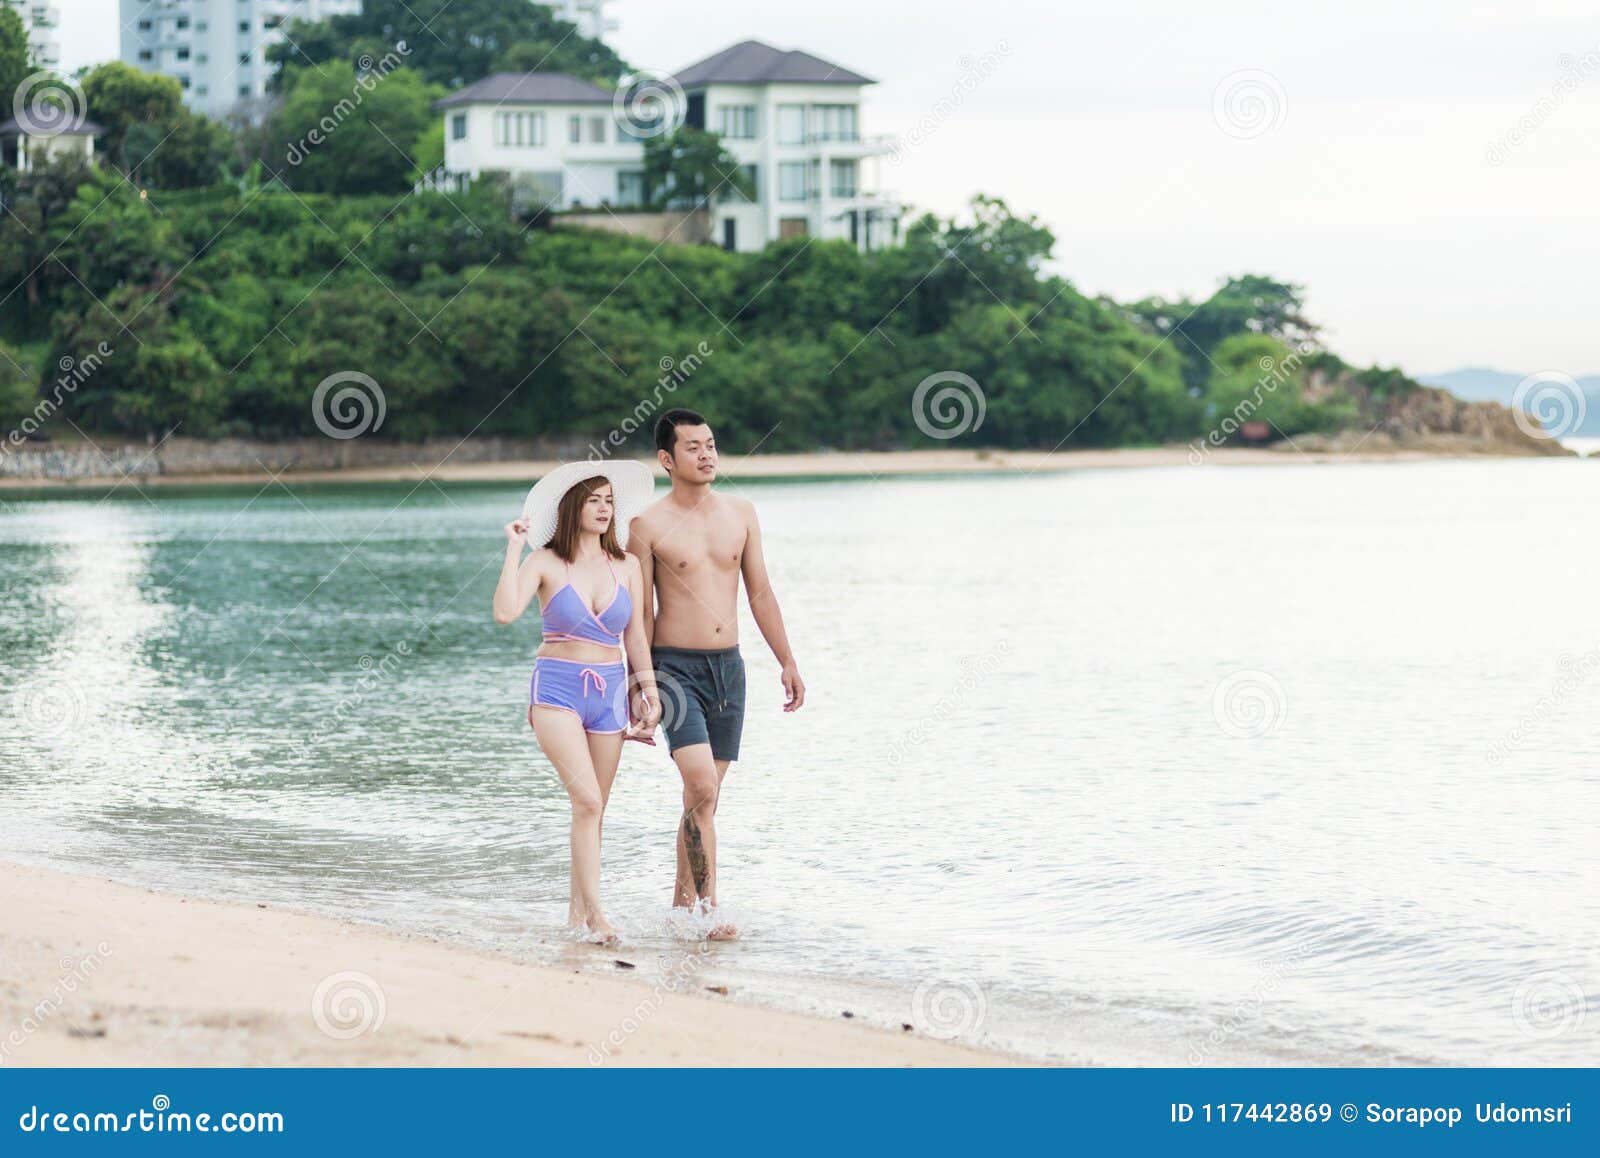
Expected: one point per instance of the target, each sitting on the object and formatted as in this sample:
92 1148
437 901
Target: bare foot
598 932
723 932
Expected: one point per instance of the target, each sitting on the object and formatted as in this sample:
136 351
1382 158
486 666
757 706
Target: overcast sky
1342 145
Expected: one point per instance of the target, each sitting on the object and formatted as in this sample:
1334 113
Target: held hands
794 688
645 710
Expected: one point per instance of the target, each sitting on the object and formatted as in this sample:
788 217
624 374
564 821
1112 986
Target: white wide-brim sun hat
631 487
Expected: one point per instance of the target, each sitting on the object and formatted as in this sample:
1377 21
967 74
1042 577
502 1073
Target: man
693 545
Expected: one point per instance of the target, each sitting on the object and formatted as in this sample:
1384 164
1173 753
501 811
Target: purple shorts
597 693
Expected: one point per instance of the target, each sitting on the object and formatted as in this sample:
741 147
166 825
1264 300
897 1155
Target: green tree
689 169
149 133
14 64
1250 304
343 131
450 42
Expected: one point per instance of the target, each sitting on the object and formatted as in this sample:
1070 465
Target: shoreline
814 465
107 974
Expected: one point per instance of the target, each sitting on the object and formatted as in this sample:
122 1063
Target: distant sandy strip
101 974
841 464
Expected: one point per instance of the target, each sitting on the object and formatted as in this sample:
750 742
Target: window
272 21
630 187
458 127
835 122
842 178
574 129
519 129
791 124
739 122
183 82
183 22
749 173
792 180
244 90
244 58
145 54
244 26
183 52
625 135
597 130
201 90
200 26
144 26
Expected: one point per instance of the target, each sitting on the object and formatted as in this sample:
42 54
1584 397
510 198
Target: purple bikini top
569 618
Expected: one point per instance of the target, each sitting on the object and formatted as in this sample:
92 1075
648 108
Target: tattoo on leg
698 868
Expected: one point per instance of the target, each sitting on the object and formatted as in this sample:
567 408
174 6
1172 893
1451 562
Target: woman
592 600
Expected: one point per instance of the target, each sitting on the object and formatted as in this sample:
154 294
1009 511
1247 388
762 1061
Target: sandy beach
841 464
102 974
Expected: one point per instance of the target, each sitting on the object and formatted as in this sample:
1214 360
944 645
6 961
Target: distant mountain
1482 384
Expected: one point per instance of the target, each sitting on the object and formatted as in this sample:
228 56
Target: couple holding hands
634 595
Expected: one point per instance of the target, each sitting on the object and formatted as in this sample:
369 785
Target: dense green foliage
225 308
689 168
14 63
450 42
149 133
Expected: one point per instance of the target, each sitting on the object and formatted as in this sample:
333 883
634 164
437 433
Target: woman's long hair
568 520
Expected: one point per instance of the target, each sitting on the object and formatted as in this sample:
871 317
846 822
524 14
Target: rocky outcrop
1421 418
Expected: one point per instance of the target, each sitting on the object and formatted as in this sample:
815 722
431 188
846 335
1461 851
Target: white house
24 145
547 130
41 19
790 118
215 48
794 122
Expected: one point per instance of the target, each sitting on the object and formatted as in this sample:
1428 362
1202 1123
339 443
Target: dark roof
528 88
81 126
752 62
